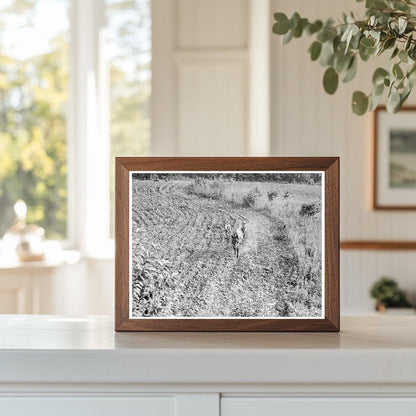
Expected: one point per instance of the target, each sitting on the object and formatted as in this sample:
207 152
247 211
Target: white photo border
131 173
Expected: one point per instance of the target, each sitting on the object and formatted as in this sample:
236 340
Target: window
33 104
75 87
129 59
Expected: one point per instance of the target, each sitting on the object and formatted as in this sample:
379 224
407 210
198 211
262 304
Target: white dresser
79 366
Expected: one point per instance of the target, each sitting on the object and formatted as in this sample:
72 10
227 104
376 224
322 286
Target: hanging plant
388 27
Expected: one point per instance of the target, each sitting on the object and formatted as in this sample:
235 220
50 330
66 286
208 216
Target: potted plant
388 295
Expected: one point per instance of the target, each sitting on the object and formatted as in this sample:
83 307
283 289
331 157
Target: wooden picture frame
135 170
391 190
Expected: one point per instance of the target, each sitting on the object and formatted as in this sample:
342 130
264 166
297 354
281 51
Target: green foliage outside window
33 98
34 84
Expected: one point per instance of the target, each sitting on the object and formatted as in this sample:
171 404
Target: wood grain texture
121 244
332 227
330 165
375 204
378 245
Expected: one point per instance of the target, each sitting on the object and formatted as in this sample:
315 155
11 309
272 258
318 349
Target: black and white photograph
226 244
394 159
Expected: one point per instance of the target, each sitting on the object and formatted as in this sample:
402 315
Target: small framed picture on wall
227 244
394 158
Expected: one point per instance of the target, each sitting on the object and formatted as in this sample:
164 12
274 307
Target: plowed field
183 263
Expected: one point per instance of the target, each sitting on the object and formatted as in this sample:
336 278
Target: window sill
65 257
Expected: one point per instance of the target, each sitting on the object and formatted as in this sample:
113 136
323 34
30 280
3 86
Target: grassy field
183 264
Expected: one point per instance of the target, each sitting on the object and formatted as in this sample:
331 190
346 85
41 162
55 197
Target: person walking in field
236 239
244 229
227 231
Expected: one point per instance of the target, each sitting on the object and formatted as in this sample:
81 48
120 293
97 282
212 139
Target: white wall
86 288
308 122
210 77
215 63
203 47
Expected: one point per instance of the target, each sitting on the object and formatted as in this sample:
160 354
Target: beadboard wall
214 64
305 121
223 85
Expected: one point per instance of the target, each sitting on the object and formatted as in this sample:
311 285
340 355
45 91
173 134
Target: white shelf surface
56 349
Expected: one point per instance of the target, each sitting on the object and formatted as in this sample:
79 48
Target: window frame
87 133
87 128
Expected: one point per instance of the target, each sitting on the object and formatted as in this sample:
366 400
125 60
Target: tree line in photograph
300 178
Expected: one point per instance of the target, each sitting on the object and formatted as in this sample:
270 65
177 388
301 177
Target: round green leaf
327 54
355 41
287 38
315 50
367 42
359 103
397 71
351 71
376 4
389 43
395 52
393 101
314 27
331 80
376 96
374 101
400 5
342 62
298 30
366 53
403 56
379 75
322 36
378 90
282 25
403 97
295 20
296 25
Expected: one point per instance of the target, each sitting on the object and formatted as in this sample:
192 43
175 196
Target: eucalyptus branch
389 27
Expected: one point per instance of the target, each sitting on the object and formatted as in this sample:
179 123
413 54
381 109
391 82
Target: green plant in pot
389 27
388 295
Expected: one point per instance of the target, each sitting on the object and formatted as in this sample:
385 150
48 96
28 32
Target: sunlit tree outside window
128 51
34 101
34 41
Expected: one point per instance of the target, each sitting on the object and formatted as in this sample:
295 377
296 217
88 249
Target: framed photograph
394 184
227 244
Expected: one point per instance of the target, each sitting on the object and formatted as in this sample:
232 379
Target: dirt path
189 231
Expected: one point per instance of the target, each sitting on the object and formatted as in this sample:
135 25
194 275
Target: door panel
263 406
